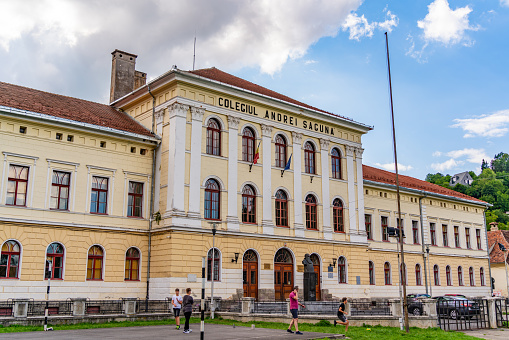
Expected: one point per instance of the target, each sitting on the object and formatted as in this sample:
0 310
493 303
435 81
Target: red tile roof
498 236
223 77
387 177
24 98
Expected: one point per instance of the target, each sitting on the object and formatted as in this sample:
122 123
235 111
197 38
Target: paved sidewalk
492 334
212 332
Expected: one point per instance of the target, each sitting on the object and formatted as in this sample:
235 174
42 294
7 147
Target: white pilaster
267 223
233 130
361 228
297 184
324 157
159 117
195 165
352 211
176 160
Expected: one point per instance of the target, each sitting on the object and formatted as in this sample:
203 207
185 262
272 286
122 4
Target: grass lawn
375 332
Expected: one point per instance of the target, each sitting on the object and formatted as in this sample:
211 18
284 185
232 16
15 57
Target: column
297 184
176 160
159 117
324 157
195 166
360 193
232 218
267 223
352 212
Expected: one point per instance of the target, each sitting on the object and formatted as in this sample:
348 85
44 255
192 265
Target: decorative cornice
159 116
177 109
297 137
324 144
266 130
349 150
358 152
233 122
197 113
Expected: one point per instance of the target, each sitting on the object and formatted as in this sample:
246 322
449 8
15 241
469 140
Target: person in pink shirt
294 309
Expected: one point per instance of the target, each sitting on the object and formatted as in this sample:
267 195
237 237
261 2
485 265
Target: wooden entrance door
250 274
283 274
316 267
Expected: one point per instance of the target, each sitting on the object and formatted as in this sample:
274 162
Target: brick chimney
124 77
493 226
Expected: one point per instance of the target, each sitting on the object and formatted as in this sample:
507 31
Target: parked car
456 307
414 303
460 295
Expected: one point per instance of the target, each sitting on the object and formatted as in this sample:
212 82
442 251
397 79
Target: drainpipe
152 184
422 243
487 250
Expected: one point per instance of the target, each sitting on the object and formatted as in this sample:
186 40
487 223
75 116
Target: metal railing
278 307
154 306
55 307
319 308
502 310
6 308
104 307
232 306
457 315
370 308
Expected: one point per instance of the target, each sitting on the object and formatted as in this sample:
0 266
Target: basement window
143 151
133 149
23 129
102 144
59 136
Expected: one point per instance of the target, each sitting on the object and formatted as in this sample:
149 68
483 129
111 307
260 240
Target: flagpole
254 156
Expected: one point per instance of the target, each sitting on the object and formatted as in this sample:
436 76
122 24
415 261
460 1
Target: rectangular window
478 238
135 199
467 237
17 185
60 183
99 198
415 231
444 235
385 229
433 234
456 236
369 231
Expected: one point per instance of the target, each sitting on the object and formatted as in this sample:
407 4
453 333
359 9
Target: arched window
250 256
436 275
448 275
471 276
248 204
214 137
280 151
95 263
342 271
217 257
418 277
311 213
283 256
9 260
403 273
337 216
481 274
212 202
309 158
387 274
281 209
248 144
371 273
336 163
460 276
132 265
55 254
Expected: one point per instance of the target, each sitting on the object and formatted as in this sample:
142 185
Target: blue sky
449 61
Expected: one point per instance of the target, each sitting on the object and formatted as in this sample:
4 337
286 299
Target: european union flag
289 161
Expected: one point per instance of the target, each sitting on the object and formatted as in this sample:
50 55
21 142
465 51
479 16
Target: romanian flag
257 154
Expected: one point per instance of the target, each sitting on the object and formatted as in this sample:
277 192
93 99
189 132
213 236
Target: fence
104 307
502 311
154 306
372 308
64 307
6 308
270 307
231 306
460 314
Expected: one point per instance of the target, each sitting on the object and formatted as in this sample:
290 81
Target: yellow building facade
276 178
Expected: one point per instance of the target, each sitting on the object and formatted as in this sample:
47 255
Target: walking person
187 308
294 309
342 314
176 301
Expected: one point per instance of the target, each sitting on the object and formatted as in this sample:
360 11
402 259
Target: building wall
500 275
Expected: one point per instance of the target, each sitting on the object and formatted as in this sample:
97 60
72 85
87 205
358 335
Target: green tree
500 163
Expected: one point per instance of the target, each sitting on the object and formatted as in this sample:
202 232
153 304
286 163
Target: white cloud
309 62
391 167
458 158
504 3
446 26
360 27
491 125
417 54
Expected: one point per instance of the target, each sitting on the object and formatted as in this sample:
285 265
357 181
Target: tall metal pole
506 277
202 307
403 281
429 271
399 290
46 308
213 265
423 245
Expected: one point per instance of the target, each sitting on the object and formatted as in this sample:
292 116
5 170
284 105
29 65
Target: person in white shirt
176 301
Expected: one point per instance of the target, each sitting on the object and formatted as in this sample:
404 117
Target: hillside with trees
491 186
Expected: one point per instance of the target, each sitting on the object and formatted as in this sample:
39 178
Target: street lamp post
506 253
212 266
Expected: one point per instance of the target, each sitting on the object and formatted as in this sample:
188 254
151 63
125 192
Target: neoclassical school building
122 198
